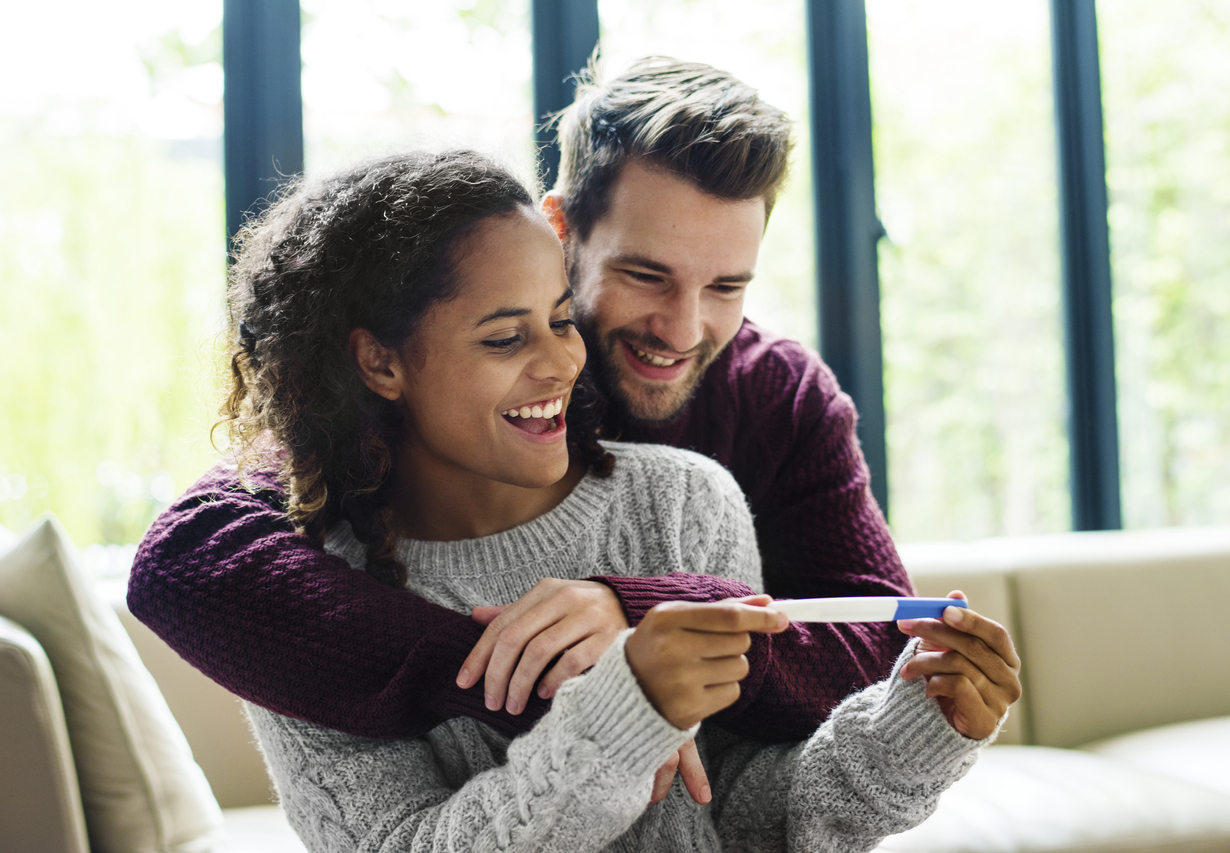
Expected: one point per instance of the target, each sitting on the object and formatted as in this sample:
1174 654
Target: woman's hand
688 657
970 664
577 619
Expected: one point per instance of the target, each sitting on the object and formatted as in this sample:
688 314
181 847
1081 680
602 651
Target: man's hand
688 658
578 619
970 664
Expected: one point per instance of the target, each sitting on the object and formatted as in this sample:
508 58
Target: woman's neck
438 504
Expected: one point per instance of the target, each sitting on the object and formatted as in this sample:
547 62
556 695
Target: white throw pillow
140 788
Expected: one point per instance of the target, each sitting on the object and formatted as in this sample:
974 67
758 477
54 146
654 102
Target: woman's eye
561 326
503 343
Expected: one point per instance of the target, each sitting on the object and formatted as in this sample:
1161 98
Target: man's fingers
693 773
573 662
475 664
487 615
509 646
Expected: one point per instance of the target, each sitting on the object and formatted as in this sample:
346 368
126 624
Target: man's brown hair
688 118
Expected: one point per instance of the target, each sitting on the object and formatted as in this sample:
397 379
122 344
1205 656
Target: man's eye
728 289
503 343
643 276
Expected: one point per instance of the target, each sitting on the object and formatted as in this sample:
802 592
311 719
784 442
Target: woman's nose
560 358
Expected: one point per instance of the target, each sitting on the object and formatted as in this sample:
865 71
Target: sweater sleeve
875 768
223 578
578 780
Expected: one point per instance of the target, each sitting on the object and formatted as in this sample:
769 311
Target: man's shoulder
764 366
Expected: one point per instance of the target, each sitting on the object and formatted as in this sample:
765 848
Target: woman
408 364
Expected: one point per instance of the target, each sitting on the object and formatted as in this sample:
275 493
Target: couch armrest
40 802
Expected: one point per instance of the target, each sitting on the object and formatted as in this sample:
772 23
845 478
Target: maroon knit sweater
223 578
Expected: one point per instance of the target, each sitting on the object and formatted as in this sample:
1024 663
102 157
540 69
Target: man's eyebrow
658 266
642 261
505 313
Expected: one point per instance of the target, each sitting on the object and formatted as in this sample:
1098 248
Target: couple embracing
483 564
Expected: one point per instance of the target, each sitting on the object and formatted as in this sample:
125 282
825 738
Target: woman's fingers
663 778
695 779
971 667
967 709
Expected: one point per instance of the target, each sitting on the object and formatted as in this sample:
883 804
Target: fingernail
492 705
906 625
543 692
706 794
954 615
514 707
463 678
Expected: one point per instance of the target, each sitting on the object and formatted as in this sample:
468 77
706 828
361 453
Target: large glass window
764 44
381 77
970 296
1165 78
112 258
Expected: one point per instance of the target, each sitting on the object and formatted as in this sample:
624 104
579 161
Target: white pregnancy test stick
877 609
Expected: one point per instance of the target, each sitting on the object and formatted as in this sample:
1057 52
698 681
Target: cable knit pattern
580 779
222 577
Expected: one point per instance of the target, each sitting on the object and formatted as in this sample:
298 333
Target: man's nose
678 321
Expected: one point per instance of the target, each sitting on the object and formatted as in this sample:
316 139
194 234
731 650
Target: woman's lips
541 422
662 373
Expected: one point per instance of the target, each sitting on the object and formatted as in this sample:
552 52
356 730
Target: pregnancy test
873 609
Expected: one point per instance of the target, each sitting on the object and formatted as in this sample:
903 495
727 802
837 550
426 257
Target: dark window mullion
563 35
1093 433
262 102
846 226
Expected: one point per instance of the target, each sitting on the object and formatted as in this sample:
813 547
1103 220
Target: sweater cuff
608 707
918 740
639 595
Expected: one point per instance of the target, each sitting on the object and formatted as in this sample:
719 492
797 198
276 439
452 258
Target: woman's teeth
655 360
549 410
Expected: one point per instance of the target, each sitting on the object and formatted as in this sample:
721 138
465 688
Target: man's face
659 287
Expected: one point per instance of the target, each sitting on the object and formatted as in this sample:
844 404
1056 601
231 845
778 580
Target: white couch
1121 741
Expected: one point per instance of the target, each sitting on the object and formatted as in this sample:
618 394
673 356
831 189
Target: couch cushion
1122 631
1029 799
40 806
1196 752
140 789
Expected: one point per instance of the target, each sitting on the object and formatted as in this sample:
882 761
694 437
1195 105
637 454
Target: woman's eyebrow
505 313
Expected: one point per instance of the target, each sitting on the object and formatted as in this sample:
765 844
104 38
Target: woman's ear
553 209
379 367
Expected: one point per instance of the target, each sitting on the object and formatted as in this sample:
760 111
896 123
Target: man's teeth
550 410
655 360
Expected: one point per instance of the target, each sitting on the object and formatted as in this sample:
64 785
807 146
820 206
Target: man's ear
379 367
553 209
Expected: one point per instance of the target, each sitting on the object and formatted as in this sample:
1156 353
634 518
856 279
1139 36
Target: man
668 176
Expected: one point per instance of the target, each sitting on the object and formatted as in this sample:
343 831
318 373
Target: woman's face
489 374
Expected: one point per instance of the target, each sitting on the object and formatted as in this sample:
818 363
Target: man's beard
641 406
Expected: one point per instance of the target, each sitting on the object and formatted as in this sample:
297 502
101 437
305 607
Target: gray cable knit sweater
580 780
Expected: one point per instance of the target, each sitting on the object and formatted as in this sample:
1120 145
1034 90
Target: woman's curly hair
370 248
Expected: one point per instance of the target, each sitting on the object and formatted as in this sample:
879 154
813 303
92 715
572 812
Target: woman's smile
541 421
